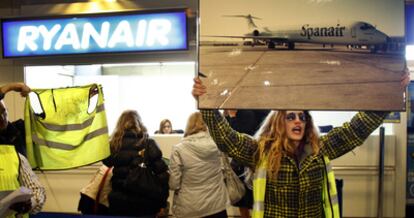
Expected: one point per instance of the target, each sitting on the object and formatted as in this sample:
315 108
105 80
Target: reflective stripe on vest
259 189
66 135
9 170
330 194
330 197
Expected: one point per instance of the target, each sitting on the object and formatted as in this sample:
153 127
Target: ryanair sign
99 33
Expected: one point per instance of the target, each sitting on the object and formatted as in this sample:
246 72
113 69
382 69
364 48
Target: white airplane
354 34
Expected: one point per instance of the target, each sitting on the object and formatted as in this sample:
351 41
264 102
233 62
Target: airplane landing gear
271 45
291 45
373 49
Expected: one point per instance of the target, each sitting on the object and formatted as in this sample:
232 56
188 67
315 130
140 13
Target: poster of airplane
302 54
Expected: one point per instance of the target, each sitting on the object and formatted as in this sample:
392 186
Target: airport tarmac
308 77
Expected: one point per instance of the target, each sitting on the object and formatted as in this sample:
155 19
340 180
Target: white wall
360 172
157 92
337 118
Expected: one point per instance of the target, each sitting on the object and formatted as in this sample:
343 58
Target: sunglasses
292 117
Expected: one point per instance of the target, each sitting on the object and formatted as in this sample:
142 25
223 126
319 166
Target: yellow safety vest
330 194
64 135
330 197
259 189
9 170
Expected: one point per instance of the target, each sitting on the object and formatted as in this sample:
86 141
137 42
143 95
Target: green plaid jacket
297 192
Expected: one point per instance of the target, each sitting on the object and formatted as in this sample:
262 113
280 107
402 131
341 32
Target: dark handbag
142 180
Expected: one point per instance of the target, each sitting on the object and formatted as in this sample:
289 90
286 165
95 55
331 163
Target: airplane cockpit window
366 26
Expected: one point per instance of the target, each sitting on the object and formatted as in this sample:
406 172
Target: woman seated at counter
166 128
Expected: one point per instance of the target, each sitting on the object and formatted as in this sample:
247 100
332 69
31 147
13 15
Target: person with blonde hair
196 175
293 177
131 147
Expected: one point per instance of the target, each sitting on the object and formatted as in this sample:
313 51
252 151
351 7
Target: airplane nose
383 38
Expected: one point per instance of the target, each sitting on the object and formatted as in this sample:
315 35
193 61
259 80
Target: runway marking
236 86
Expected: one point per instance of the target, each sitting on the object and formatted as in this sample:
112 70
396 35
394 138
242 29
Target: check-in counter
359 170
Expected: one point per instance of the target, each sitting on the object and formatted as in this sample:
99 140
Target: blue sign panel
409 24
100 33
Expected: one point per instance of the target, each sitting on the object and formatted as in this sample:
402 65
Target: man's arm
17 87
28 179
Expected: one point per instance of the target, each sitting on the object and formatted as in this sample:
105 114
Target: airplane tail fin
249 19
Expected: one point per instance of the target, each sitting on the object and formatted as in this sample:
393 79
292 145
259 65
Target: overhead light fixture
409 52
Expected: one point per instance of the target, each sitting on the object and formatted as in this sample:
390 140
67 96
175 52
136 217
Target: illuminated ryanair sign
100 33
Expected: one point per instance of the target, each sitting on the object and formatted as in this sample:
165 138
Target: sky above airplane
386 15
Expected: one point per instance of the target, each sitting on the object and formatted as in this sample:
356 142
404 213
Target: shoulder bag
96 192
141 178
234 185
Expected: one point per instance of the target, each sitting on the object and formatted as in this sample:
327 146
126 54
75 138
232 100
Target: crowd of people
290 161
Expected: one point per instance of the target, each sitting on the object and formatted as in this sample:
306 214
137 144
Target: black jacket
15 135
124 199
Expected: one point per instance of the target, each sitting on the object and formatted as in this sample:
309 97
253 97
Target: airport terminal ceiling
16 3
24 8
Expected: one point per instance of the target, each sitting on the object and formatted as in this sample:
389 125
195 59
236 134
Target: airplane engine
255 41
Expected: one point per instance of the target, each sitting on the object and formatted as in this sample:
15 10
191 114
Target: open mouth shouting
295 125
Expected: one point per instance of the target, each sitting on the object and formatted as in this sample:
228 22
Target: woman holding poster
293 176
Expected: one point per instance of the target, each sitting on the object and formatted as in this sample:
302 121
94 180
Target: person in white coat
196 174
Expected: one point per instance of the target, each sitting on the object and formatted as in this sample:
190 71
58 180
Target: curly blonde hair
273 141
